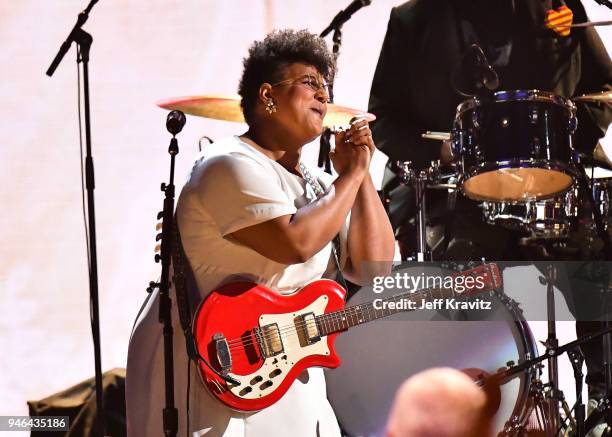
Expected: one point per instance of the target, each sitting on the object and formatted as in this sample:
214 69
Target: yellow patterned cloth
560 20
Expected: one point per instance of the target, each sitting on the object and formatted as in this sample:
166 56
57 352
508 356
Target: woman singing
252 211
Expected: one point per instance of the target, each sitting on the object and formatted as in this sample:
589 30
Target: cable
188 391
80 123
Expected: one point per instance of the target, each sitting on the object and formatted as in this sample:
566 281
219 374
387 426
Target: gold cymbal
220 107
603 96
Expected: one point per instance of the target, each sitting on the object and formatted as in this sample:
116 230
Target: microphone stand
606 3
336 25
170 413
325 145
83 41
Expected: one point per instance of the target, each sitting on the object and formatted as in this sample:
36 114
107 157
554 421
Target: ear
265 93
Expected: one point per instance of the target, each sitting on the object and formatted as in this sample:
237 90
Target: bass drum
377 357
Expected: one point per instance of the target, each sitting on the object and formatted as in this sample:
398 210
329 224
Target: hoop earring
271 107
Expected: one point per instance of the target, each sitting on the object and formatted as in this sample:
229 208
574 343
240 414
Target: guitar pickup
223 353
269 340
310 330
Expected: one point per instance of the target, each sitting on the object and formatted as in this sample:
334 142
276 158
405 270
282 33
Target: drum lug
406 172
536 148
456 141
534 115
476 119
572 124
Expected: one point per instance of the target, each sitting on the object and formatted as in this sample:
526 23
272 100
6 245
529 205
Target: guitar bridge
269 340
223 353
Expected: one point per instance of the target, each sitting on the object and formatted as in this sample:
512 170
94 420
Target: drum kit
515 154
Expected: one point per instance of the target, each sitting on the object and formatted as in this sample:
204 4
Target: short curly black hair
267 58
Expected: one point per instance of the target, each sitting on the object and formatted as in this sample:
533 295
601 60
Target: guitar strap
316 186
182 297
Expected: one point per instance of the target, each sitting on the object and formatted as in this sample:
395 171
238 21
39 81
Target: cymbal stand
336 25
607 355
505 375
554 397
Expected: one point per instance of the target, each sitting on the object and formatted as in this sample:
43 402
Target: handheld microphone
175 122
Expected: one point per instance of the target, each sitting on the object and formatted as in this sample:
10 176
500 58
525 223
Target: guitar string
334 318
243 343
337 318
336 315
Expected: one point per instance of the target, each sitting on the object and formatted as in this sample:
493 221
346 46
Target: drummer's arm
596 75
395 131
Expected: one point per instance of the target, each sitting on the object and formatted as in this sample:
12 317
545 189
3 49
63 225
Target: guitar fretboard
348 317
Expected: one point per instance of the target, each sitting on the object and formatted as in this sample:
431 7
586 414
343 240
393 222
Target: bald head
440 402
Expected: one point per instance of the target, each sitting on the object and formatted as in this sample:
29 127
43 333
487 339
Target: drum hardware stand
83 40
336 25
507 374
554 395
607 356
577 359
174 124
607 352
601 231
409 176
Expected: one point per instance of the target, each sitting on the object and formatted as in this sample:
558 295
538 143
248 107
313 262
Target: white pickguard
293 352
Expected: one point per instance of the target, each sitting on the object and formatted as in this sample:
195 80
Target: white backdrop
142 51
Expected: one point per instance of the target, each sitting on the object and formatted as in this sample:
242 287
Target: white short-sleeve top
232 186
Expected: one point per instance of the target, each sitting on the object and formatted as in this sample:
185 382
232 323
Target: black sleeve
394 131
596 75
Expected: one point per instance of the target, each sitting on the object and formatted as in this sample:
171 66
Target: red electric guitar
261 341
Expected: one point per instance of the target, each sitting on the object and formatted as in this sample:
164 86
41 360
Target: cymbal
603 96
220 107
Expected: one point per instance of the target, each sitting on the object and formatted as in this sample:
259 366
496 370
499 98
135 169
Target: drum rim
558 228
518 95
486 167
530 347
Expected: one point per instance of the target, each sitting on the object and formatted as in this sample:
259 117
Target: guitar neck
348 317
